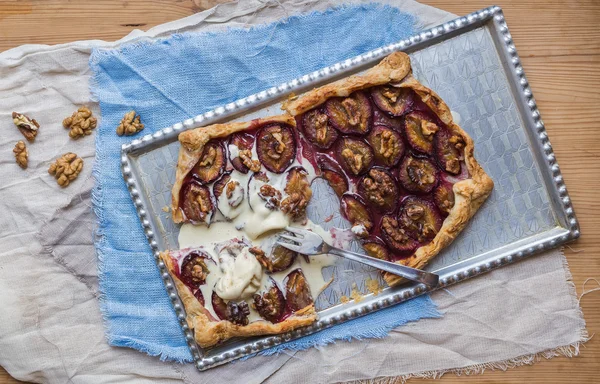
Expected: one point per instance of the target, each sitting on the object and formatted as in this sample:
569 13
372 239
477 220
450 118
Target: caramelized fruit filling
270 304
350 115
384 153
297 292
276 147
211 163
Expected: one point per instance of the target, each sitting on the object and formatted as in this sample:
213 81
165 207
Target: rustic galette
388 146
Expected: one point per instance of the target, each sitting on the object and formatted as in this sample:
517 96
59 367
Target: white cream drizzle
205 238
241 275
238 277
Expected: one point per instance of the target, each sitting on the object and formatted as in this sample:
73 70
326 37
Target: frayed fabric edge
569 350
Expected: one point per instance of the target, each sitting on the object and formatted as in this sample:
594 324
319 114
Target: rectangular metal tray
472 63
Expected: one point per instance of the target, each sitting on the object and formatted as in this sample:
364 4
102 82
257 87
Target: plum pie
403 170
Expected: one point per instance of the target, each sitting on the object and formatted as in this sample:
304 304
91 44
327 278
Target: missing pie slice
388 146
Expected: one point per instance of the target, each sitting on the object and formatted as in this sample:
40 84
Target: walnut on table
28 127
130 124
81 123
66 168
21 154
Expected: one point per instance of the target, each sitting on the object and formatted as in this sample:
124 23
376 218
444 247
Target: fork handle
427 278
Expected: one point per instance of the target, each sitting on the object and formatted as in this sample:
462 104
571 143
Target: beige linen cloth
50 324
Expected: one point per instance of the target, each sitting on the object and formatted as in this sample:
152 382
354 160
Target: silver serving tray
472 63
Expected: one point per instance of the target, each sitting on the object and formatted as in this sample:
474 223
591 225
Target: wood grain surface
559 43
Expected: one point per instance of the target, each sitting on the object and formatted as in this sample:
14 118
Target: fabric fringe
570 350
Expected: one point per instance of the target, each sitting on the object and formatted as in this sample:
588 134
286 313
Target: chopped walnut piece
275 153
28 127
208 157
238 313
389 144
21 154
352 110
299 194
393 230
379 188
415 211
391 93
321 127
80 123
245 156
256 251
354 160
262 258
429 129
130 124
344 299
271 195
66 168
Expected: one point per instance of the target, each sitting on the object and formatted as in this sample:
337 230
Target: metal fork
309 243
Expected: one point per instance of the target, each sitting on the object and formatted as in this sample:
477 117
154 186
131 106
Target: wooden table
559 44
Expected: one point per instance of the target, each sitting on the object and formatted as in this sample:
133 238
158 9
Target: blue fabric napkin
179 77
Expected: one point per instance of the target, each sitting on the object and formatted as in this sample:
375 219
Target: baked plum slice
297 291
355 156
420 131
379 189
336 181
418 174
358 215
393 100
197 204
382 118
395 236
443 195
316 128
235 312
276 147
376 250
240 152
350 115
420 219
194 269
211 164
449 149
270 304
387 145
298 193
279 260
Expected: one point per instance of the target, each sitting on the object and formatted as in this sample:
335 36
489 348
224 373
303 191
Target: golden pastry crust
393 68
469 194
192 145
209 331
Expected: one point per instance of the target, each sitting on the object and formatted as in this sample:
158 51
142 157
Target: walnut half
80 123
130 124
28 127
66 168
21 154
